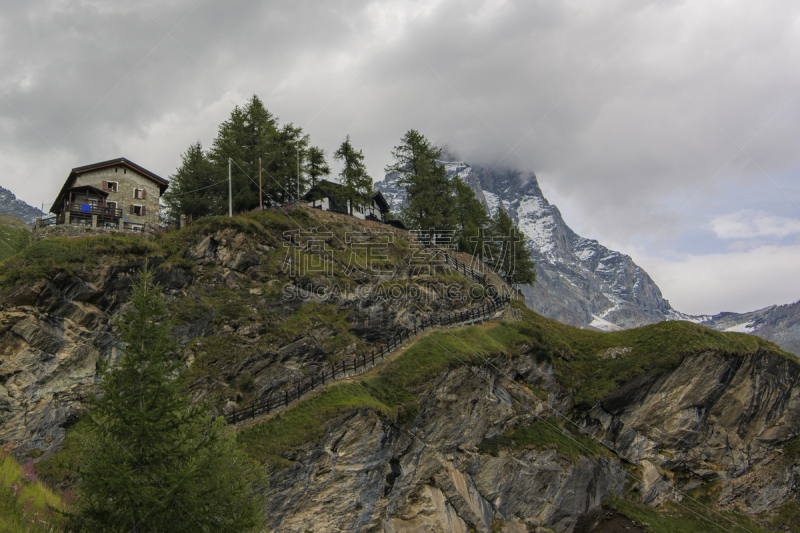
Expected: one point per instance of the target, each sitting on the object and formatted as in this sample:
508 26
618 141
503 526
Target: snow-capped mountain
9 204
580 281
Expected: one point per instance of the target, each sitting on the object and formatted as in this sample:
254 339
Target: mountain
9 204
581 282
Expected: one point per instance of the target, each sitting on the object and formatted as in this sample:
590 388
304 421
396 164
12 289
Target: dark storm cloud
635 113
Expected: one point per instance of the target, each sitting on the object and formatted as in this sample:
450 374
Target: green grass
25 502
43 258
576 353
787 518
686 517
544 434
14 236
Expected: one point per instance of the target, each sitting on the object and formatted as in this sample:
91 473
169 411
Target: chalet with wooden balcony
115 194
329 196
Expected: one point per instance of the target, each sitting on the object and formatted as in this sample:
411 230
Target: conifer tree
157 463
354 178
471 218
510 255
195 189
316 166
429 192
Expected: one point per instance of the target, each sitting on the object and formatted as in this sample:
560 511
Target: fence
360 364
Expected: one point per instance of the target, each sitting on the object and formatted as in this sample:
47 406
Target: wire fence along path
359 364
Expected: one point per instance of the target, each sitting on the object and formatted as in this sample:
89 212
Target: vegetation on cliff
237 338
152 461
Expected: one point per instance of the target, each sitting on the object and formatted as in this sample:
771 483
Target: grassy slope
25 502
15 236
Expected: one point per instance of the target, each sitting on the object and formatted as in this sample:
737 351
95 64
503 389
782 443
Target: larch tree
195 188
156 462
316 165
354 178
429 192
510 255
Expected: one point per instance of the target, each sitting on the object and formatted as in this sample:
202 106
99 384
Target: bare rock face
370 474
715 417
54 331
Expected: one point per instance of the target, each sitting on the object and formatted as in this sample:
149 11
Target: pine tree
194 188
510 255
316 166
471 218
430 194
157 463
354 178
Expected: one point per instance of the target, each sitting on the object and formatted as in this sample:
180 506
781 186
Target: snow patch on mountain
536 221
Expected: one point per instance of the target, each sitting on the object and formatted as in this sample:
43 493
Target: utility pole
297 146
260 198
230 190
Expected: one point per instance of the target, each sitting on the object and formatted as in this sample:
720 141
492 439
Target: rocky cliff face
716 417
11 205
240 329
716 422
370 474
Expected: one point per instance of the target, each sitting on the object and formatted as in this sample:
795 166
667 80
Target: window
139 194
111 208
110 186
137 210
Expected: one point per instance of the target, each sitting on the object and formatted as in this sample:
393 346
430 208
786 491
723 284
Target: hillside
14 235
512 424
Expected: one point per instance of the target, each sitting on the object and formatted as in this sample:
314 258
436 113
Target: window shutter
131 209
134 192
144 194
143 210
105 185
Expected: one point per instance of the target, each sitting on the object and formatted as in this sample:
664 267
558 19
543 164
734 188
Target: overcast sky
666 130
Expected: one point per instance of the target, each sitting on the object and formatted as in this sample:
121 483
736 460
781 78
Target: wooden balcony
87 210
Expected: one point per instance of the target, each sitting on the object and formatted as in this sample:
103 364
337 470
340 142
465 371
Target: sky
666 130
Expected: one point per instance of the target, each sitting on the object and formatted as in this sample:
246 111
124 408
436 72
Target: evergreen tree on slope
429 192
157 463
357 183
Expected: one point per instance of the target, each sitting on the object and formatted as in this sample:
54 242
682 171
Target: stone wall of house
127 180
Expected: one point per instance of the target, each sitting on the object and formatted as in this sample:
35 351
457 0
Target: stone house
115 194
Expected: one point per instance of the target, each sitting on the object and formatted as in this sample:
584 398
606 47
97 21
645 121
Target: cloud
740 281
641 114
749 223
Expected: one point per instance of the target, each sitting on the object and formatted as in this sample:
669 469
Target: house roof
323 189
120 161
380 200
88 189
330 189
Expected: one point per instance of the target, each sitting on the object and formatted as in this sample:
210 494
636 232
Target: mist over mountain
580 281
